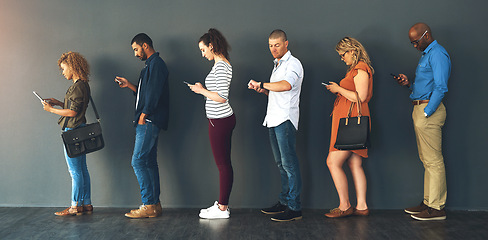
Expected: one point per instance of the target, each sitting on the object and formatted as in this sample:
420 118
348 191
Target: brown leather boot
71 211
144 211
159 209
87 209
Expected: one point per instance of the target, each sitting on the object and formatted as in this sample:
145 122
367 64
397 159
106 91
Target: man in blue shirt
429 115
151 115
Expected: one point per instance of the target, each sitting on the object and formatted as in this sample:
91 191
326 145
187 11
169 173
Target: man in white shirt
282 117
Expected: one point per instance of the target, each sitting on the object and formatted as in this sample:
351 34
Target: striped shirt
218 80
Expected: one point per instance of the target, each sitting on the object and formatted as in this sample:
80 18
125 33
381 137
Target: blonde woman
359 78
74 67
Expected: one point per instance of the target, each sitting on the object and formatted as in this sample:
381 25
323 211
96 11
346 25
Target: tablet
37 95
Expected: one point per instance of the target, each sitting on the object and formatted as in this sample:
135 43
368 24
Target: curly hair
77 63
356 48
218 41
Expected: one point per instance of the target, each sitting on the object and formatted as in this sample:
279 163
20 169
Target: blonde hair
77 63
356 48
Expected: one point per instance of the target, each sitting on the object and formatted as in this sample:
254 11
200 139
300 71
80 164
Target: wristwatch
261 85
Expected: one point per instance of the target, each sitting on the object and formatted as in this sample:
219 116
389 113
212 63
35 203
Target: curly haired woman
74 67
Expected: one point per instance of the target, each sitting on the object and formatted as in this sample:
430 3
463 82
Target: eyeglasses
416 42
342 55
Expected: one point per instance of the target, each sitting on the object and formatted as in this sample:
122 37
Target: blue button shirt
431 77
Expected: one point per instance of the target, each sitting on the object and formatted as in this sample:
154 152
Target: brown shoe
430 214
159 209
416 209
337 213
364 212
87 209
144 211
70 211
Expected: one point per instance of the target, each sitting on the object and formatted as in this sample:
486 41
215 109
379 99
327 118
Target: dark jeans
283 144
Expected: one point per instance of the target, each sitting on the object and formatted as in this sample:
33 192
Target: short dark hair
142 38
218 41
278 33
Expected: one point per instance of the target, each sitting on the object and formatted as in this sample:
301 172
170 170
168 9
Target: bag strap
94 109
359 106
359 109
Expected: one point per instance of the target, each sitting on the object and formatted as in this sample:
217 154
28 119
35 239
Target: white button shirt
283 106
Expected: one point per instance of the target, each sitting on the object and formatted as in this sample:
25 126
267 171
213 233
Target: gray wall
34 34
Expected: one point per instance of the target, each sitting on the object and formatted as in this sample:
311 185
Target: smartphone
394 76
37 95
187 83
325 84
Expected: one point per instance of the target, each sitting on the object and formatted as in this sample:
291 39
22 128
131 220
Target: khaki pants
428 132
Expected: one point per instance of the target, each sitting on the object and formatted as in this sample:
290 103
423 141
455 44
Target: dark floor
110 223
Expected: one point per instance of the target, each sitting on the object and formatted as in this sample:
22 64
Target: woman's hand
54 102
333 87
197 88
47 106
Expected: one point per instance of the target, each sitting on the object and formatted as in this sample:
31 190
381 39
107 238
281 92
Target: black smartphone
187 83
394 76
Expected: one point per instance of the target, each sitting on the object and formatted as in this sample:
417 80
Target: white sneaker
216 205
214 212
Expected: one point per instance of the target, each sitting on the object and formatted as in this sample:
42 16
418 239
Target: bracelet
262 85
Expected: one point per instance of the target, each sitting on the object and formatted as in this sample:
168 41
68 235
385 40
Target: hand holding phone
325 84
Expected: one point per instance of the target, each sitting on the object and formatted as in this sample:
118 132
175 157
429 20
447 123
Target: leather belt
418 102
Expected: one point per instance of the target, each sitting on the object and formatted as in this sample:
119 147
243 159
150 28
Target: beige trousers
428 132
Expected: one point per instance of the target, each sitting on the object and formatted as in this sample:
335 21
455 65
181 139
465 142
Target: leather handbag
353 132
83 140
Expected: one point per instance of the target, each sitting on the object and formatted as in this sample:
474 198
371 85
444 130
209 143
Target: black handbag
83 140
353 132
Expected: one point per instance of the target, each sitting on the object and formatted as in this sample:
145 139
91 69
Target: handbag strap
94 109
352 104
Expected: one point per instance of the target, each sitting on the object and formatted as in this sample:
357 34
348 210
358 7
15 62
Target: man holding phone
429 115
282 116
151 115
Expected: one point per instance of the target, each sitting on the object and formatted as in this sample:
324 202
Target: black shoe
277 208
288 215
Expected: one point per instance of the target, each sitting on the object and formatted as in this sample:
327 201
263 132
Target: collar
155 55
284 58
431 45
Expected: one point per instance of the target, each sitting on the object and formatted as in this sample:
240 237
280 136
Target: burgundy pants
220 133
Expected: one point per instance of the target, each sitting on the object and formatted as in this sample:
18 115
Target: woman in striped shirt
221 119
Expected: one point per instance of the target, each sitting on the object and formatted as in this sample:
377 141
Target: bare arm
361 81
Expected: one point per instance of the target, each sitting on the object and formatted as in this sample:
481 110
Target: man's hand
123 83
402 79
142 119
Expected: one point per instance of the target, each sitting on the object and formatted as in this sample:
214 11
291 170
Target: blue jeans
145 162
80 178
283 144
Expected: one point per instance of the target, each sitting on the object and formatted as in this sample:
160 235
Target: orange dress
341 105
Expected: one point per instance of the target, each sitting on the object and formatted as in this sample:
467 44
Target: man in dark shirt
151 115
